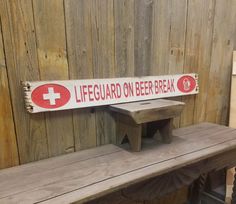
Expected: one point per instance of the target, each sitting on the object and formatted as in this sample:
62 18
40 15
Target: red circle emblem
50 96
186 84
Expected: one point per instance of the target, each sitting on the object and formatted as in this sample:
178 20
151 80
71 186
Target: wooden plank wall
8 146
75 39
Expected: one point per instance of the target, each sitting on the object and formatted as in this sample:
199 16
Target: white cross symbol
51 96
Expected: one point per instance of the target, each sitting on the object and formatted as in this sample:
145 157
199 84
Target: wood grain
8 146
52 57
163 185
143 11
119 169
151 110
161 24
80 56
223 158
130 130
154 114
204 60
140 37
177 36
21 59
102 20
124 17
114 198
150 40
221 62
124 38
178 197
198 57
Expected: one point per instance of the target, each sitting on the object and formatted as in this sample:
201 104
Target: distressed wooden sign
44 96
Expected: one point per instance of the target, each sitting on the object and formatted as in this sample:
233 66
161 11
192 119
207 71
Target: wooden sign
44 96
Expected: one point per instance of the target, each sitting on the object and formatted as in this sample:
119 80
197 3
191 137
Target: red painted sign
186 84
50 96
60 95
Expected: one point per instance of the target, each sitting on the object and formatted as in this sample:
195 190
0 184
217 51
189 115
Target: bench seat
89 174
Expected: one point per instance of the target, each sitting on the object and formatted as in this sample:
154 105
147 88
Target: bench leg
166 130
133 132
152 128
197 189
135 138
234 190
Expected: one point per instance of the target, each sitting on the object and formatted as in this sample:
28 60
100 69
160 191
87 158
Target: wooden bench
90 174
157 115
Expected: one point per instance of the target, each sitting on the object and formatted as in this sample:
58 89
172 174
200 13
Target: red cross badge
50 96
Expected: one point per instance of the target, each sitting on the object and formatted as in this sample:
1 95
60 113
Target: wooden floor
88 174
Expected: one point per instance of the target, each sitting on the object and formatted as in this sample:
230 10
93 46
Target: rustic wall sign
44 96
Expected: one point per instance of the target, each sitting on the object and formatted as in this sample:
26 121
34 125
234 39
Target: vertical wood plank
8 146
52 56
168 39
143 12
197 55
177 36
204 59
221 62
143 32
102 18
80 56
161 25
177 42
124 41
124 37
21 59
